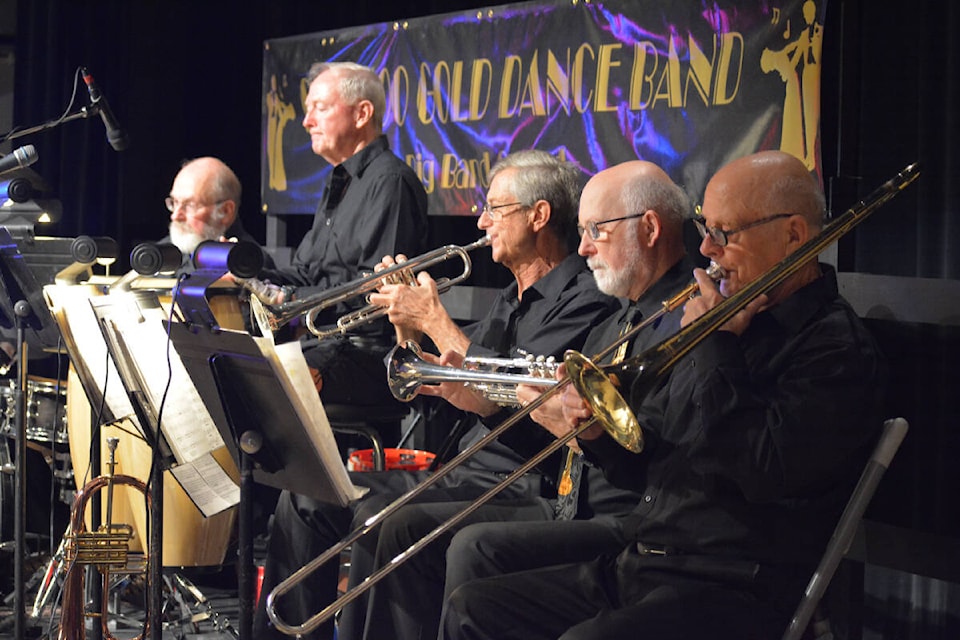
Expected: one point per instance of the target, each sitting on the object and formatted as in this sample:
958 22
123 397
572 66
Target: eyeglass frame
721 237
593 226
189 206
496 216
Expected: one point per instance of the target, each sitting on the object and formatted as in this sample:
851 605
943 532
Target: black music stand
260 425
162 454
21 307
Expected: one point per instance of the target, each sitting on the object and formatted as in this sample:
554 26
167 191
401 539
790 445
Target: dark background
184 80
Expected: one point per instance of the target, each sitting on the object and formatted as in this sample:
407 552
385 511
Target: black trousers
406 603
620 597
303 528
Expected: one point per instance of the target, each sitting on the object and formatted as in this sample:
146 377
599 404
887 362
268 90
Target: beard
614 282
187 240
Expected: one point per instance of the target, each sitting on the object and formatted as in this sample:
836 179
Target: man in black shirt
530 215
630 224
753 446
373 205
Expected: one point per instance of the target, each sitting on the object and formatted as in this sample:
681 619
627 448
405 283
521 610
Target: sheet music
207 484
70 307
137 339
186 424
291 369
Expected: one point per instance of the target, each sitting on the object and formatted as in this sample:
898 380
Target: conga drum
189 539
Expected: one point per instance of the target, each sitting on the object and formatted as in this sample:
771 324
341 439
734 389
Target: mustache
594 263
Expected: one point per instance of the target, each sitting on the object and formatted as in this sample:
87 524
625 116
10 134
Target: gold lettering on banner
558 82
481 86
460 173
512 66
605 63
425 97
425 170
580 101
641 79
588 78
397 88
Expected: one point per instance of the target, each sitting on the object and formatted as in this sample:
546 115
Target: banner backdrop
686 84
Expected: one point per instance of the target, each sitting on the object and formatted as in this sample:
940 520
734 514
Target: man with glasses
754 442
630 225
203 204
530 217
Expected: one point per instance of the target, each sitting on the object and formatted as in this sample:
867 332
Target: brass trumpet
599 391
270 317
106 549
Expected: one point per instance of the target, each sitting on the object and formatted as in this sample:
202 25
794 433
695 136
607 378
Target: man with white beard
203 204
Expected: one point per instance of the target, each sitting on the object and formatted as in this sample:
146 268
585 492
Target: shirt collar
356 164
553 284
795 312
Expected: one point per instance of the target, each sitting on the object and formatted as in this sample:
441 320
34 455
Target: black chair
893 433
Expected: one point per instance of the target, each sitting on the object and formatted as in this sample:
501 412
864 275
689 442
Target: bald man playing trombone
753 445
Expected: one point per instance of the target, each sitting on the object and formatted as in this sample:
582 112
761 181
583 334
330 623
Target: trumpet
597 387
106 549
407 371
271 317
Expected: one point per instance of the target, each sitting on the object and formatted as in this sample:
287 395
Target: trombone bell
607 404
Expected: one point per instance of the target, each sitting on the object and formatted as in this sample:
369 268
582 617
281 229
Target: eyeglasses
496 216
190 206
720 237
594 226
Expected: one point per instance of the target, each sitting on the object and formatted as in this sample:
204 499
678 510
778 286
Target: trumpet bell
608 406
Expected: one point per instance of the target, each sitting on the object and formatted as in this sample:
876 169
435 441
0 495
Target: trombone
599 391
270 317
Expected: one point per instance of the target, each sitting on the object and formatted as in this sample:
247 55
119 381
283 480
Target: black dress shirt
374 205
556 313
755 443
596 495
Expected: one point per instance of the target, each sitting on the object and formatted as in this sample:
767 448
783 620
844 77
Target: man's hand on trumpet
457 393
413 307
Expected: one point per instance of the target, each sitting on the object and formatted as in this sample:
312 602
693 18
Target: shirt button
328 222
647 498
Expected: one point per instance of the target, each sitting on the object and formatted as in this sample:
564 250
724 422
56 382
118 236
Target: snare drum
46 410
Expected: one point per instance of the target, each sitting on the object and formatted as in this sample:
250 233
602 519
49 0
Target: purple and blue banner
687 84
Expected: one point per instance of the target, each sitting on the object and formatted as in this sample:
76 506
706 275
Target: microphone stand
84 112
21 311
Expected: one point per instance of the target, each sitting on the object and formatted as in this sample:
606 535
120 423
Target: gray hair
803 194
662 195
544 177
357 83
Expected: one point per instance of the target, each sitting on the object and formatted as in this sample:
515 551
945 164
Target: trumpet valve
107 547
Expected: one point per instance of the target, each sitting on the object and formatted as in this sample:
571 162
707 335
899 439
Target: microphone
21 157
115 135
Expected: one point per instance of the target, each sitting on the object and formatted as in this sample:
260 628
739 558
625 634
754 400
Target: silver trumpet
270 317
407 371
